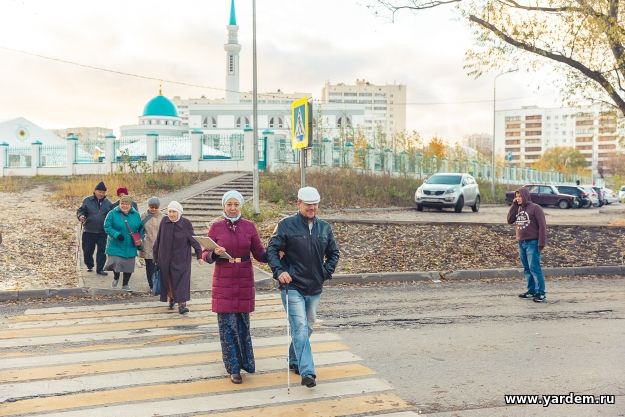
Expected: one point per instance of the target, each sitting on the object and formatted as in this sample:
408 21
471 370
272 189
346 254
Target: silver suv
448 190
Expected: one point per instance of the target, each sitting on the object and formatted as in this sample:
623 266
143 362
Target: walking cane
288 343
78 241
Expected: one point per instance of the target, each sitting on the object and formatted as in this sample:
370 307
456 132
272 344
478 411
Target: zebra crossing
141 359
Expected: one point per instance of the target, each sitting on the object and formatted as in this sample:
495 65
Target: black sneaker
90 269
540 298
309 381
294 368
527 295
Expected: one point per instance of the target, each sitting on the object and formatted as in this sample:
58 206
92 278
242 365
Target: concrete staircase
204 207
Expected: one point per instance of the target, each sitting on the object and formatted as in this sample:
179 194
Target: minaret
232 49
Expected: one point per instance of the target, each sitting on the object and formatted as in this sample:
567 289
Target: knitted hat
232 194
122 190
154 201
125 199
100 186
176 206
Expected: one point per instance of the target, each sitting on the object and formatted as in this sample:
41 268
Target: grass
341 188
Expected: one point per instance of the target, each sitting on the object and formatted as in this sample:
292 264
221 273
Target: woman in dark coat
172 255
234 293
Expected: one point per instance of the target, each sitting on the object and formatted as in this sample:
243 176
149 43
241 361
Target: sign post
301 132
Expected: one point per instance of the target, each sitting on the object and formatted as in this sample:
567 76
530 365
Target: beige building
384 105
522 135
481 142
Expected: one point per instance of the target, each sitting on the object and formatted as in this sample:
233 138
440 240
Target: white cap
176 206
308 195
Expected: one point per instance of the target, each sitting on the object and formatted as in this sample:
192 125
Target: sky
300 46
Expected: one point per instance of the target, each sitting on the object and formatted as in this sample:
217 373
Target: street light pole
493 166
256 179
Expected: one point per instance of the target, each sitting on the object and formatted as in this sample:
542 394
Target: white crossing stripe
145 352
221 402
151 376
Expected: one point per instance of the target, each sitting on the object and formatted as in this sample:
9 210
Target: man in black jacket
91 214
310 257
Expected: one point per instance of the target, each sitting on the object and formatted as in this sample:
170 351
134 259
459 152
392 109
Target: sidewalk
201 275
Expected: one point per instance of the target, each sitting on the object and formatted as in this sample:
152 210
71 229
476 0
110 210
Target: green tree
562 159
583 39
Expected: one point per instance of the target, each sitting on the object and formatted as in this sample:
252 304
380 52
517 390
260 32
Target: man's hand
82 219
541 248
285 278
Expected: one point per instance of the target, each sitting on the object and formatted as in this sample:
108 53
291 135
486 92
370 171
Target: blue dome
160 106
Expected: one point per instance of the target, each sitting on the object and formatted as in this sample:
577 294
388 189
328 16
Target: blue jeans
302 313
530 258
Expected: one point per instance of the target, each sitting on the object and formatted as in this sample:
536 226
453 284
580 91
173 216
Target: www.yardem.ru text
550 399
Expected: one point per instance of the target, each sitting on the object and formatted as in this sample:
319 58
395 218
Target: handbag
136 236
157 284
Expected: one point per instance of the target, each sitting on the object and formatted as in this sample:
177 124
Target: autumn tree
583 40
562 159
437 147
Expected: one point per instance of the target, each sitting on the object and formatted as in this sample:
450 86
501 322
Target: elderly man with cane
91 215
310 258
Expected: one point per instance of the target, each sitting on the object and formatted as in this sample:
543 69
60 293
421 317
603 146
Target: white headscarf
227 196
175 206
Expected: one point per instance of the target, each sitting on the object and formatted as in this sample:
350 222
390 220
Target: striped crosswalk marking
139 359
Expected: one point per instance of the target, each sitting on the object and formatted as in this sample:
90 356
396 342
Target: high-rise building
385 105
522 135
481 142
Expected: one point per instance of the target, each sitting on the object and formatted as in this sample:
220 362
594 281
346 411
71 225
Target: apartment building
522 135
384 105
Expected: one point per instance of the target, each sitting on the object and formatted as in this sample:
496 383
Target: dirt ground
39 247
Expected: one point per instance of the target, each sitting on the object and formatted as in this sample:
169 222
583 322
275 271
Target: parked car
582 199
594 197
621 194
611 196
600 195
545 195
448 190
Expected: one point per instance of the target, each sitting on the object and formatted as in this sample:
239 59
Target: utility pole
256 180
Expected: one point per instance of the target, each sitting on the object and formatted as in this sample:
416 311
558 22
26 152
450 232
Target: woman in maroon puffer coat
233 293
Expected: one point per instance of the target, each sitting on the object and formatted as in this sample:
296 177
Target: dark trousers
89 243
126 277
149 270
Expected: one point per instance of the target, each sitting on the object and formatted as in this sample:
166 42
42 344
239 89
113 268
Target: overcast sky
301 44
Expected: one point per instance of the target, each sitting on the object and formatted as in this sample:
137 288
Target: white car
448 190
610 196
592 194
621 194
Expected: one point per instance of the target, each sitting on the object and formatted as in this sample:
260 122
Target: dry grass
141 186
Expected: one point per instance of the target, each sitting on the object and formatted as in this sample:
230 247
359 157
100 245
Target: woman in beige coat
151 221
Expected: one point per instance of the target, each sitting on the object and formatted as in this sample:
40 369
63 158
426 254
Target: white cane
288 343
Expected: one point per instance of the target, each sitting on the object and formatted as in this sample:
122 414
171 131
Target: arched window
247 122
238 122
213 122
339 122
205 122
271 122
280 123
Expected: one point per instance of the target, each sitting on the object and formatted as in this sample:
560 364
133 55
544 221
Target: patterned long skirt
236 342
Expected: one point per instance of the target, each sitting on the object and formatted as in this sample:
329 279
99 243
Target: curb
268 283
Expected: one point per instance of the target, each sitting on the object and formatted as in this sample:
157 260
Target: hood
525 195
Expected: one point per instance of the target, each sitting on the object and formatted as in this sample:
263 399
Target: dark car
545 195
582 199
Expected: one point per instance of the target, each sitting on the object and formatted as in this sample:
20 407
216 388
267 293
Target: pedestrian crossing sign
300 120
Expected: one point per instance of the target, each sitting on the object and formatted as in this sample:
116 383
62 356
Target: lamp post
256 179
493 167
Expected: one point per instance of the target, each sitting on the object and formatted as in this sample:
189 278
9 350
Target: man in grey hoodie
531 236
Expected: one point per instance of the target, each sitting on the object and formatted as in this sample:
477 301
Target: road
459 347
446 349
613 214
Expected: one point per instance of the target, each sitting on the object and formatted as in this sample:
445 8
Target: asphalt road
460 347
608 215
